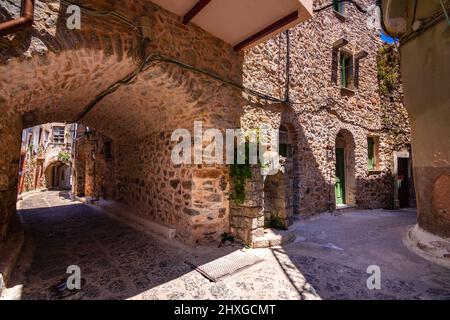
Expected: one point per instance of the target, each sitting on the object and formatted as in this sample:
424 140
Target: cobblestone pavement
328 260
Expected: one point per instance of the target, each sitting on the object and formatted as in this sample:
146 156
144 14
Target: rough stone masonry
52 74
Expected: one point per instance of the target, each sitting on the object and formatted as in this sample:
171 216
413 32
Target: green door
339 186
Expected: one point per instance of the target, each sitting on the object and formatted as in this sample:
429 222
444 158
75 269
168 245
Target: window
284 145
58 134
346 69
338 6
108 150
372 153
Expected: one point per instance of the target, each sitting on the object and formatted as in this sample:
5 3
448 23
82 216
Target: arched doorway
345 182
57 176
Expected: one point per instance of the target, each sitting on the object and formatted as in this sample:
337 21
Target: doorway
344 177
339 185
404 194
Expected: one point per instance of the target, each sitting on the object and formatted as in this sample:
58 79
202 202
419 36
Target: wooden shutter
371 153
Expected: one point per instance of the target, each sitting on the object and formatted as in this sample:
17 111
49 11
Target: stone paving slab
119 262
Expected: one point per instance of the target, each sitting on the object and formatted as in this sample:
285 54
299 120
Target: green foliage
275 223
240 174
227 237
64 156
388 69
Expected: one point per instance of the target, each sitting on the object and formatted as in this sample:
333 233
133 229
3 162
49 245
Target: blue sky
386 38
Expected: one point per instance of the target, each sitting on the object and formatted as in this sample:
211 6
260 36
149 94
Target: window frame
339 7
346 70
58 138
373 158
108 155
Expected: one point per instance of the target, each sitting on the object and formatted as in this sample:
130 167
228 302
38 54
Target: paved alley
327 261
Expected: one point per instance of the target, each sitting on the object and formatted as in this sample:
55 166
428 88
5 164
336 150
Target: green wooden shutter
336 5
371 153
343 72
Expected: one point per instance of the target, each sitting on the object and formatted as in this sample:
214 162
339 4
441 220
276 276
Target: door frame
400 155
344 178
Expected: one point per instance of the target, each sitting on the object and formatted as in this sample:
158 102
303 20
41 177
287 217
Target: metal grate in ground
224 267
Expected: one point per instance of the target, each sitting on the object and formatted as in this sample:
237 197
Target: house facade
46 155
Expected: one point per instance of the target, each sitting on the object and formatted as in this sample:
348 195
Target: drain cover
226 266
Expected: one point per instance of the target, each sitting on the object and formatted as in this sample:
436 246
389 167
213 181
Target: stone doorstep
430 247
273 238
9 255
344 206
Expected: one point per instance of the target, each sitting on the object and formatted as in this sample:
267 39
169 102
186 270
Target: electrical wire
426 24
97 13
445 11
357 6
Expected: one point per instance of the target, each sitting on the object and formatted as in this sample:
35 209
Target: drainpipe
25 20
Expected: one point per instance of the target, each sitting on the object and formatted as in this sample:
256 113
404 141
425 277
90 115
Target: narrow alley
328 260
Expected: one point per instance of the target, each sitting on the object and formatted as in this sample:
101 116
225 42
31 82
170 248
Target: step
273 238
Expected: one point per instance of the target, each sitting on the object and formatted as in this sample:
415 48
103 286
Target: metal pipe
25 20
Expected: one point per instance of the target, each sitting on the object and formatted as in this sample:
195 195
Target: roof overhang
241 23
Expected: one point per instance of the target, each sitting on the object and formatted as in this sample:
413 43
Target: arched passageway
96 76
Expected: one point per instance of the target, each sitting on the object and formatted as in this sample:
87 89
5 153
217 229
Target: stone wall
319 109
10 130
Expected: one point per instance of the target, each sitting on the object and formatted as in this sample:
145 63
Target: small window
285 144
338 6
372 153
108 150
58 134
346 69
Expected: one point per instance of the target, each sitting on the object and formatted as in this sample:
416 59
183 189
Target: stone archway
68 76
345 181
57 176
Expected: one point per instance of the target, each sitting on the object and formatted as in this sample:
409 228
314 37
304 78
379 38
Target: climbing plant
388 62
240 174
64 156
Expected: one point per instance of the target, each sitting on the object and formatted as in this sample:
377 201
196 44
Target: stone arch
57 175
51 74
345 168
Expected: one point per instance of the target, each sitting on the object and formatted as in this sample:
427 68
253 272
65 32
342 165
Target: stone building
349 135
423 29
131 77
45 161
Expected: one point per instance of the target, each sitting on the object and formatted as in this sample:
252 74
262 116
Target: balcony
241 23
